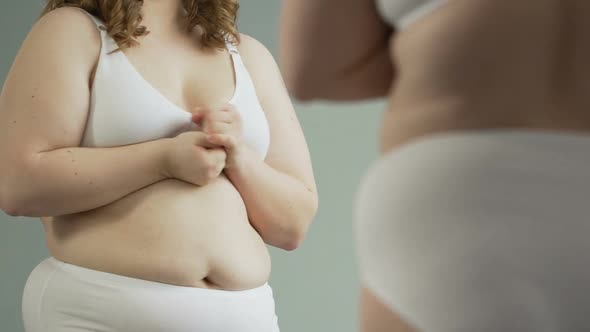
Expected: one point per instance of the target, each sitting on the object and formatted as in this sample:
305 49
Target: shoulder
261 66
66 27
67 19
265 73
254 54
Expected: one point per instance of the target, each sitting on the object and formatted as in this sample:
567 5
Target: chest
184 74
148 94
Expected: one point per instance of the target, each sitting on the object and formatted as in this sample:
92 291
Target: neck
163 15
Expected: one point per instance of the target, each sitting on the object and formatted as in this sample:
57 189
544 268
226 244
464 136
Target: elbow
300 87
4 206
15 199
19 205
11 210
293 241
6 203
9 204
303 88
297 234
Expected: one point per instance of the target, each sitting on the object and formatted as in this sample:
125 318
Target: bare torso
171 231
489 64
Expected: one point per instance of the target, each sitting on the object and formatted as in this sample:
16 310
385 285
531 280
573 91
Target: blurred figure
475 217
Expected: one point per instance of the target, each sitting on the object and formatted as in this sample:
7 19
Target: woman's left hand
223 126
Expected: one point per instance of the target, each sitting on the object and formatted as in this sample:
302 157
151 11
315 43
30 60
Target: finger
220 155
227 141
220 116
209 145
226 112
218 128
202 141
229 108
232 113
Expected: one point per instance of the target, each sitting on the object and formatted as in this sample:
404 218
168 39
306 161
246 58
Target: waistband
568 148
111 279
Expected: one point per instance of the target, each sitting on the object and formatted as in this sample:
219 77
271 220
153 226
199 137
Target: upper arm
335 49
288 151
45 98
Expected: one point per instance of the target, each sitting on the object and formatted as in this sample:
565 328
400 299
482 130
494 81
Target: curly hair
122 18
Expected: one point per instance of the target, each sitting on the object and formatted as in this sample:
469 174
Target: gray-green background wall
316 287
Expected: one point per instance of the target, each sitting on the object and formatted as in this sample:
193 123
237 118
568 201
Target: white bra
127 109
401 13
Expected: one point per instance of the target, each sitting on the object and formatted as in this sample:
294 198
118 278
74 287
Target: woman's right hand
191 158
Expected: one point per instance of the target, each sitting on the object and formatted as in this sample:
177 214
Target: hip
61 296
479 216
517 187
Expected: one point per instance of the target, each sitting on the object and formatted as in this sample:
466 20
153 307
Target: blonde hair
122 18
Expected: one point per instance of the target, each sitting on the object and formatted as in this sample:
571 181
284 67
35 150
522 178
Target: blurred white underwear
485 231
61 297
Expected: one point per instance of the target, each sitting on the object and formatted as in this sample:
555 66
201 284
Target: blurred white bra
401 13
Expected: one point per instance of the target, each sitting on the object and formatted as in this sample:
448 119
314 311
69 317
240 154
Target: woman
162 152
474 218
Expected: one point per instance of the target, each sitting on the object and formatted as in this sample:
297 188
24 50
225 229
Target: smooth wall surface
316 287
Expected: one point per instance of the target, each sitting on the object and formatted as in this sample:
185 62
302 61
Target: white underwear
484 231
61 297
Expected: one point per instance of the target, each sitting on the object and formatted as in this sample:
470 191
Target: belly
171 232
478 64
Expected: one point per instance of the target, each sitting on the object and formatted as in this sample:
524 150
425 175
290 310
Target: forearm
71 180
280 207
